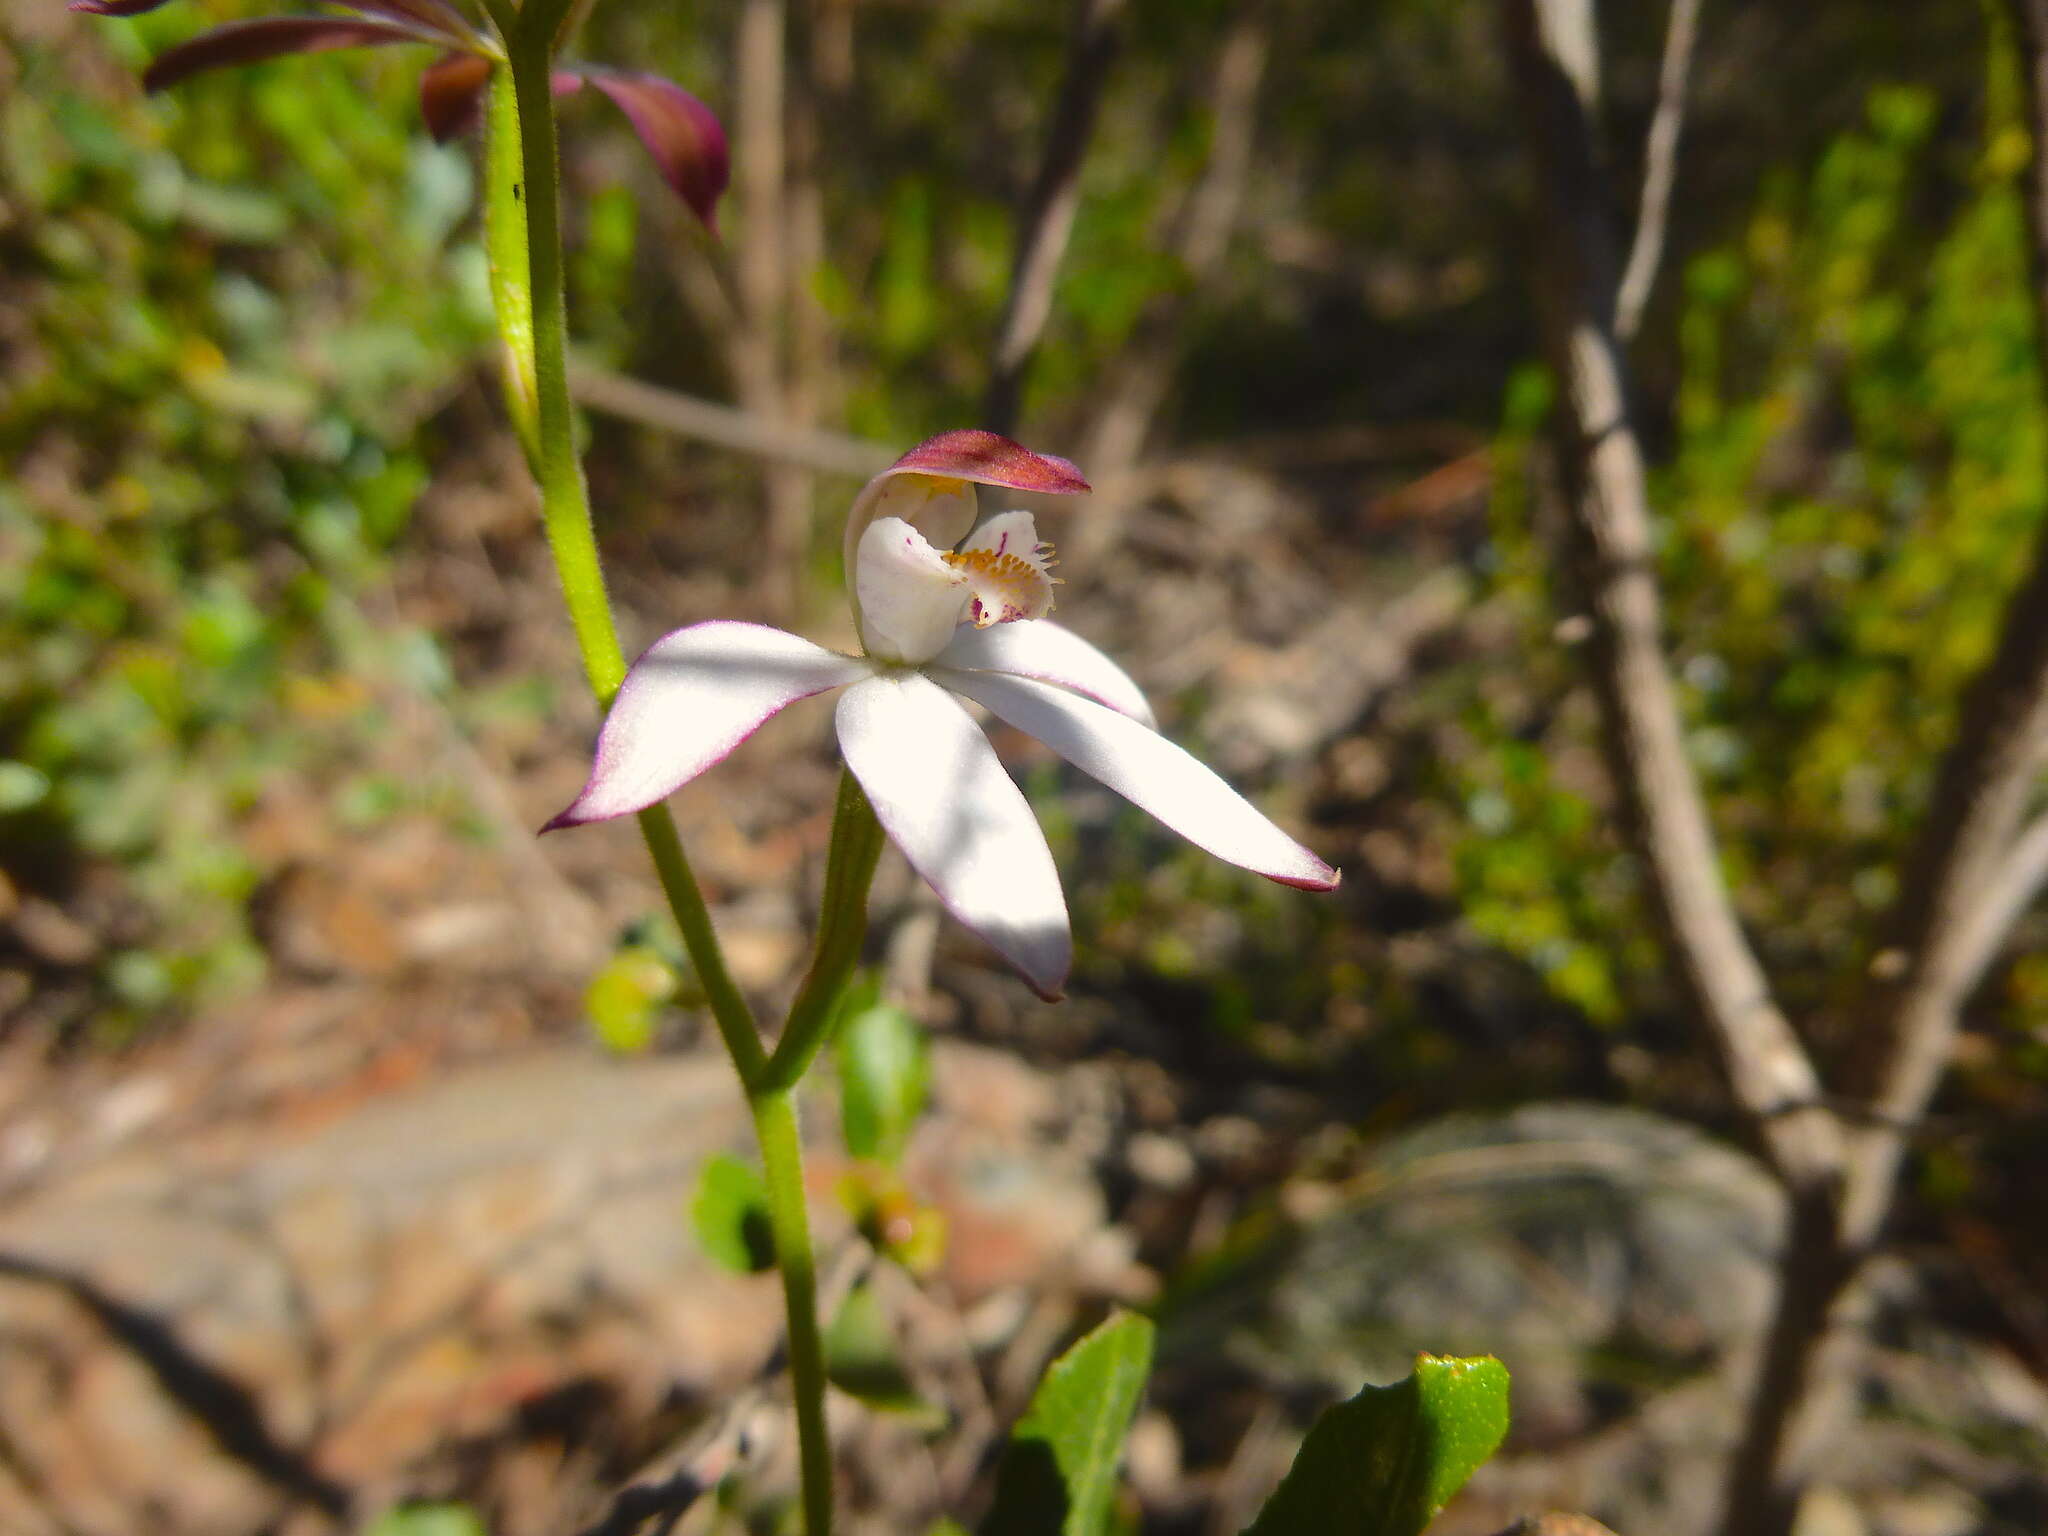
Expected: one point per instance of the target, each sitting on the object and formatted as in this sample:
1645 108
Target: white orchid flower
937 624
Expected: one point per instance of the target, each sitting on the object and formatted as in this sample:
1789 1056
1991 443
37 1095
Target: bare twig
1139 380
2002 903
724 426
1972 874
1940 942
1772 1076
1660 169
763 174
1980 798
1048 216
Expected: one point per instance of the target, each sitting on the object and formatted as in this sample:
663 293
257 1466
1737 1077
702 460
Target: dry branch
1770 1072
1660 169
725 426
1940 939
1048 217
1139 380
1973 871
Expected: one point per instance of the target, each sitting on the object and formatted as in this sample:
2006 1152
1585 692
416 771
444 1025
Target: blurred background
352 1137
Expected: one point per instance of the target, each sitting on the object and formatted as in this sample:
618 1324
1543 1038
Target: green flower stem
527 282
505 246
532 320
842 924
782 1164
565 501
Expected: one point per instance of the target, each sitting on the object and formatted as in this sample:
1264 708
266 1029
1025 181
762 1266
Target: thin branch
1981 795
2003 902
1943 934
724 426
1143 372
1660 169
1048 216
1772 1076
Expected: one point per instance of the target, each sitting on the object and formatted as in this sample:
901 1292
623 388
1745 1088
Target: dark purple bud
452 94
270 37
116 7
680 132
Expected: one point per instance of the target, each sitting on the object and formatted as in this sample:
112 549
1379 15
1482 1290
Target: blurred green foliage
228 314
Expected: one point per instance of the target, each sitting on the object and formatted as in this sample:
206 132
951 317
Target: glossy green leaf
1058 1474
883 1075
1384 1462
730 1213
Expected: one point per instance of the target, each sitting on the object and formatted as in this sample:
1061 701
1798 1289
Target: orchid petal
688 701
682 134
1051 654
452 94
910 598
937 467
1149 771
270 37
944 799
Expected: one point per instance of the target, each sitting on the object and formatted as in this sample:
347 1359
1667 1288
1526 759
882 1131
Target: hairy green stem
782 1166
522 210
842 924
505 246
532 320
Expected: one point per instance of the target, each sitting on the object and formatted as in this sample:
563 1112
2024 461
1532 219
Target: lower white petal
945 800
1149 771
690 699
1052 654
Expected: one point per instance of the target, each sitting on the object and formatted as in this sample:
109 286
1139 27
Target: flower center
912 596
1005 585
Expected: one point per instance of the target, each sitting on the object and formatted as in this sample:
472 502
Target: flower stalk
842 924
522 209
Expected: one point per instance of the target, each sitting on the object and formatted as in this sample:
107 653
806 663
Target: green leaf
883 1075
625 999
1059 1471
427 1520
1384 1463
21 786
861 1358
730 1213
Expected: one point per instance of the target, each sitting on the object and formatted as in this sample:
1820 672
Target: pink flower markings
681 133
946 610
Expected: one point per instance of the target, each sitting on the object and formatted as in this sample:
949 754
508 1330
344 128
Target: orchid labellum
945 611
679 131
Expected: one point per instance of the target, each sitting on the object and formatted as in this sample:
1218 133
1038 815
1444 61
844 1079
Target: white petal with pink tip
1149 771
945 800
690 699
1051 653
